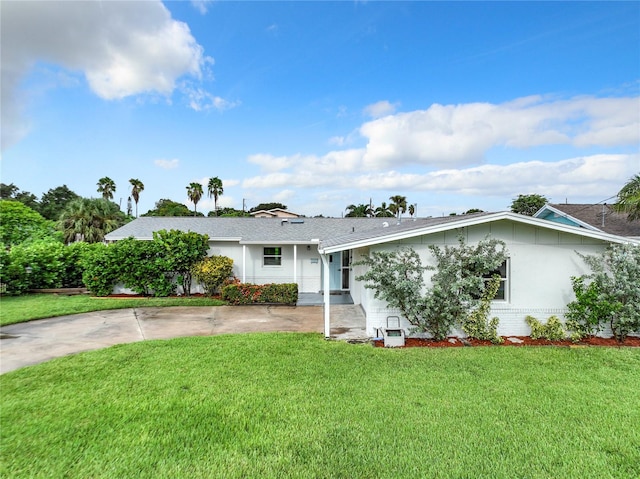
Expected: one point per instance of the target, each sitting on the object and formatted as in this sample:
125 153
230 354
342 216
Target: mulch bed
512 341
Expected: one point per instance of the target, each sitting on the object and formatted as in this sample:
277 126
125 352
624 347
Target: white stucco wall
307 272
541 263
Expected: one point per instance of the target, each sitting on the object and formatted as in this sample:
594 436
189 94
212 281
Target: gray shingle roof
255 230
613 223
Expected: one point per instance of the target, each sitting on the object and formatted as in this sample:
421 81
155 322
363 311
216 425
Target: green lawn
17 309
294 405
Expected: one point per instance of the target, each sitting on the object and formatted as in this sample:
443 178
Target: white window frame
504 280
276 255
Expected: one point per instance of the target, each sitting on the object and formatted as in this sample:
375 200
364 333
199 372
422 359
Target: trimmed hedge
247 293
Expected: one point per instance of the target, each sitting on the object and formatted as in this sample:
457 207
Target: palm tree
89 219
107 187
629 199
215 189
358 211
383 211
398 205
136 188
412 210
194 192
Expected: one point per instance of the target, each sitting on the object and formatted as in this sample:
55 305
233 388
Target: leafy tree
9 191
34 265
359 211
629 199
19 223
212 272
54 201
107 187
89 220
136 188
166 207
398 205
215 189
528 204
267 207
397 277
182 250
383 211
473 210
194 192
228 212
609 294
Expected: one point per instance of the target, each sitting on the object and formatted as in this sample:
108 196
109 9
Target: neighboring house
274 213
318 254
592 217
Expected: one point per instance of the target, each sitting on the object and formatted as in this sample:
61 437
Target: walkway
38 341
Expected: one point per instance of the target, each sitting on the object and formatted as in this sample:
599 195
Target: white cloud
380 109
122 48
167 164
201 5
201 100
458 135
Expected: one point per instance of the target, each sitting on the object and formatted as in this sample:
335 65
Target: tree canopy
167 207
629 199
19 223
107 187
55 200
528 204
267 207
89 220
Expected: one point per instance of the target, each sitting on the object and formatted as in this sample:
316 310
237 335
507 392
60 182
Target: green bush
142 267
553 330
477 324
212 272
33 265
246 293
101 269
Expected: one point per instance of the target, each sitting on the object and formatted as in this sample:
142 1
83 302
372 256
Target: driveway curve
34 342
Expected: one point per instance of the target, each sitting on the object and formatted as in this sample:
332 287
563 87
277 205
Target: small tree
211 272
398 278
612 294
182 251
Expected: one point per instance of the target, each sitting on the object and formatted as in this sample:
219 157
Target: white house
319 254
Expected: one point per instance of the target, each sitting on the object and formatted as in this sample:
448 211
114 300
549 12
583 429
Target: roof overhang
388 237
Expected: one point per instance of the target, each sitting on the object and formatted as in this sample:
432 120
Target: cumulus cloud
380 109
122 48
167 164
460 135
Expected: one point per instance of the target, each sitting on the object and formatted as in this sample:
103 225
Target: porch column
244 263
326 296
295 263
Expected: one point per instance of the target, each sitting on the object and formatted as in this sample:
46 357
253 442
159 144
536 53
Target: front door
339 271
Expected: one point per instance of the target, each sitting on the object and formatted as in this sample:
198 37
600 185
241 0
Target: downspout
326 294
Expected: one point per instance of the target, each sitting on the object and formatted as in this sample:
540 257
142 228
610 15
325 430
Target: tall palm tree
358 211
383 211
398 205
629 199
412 210
215 189
136 188
107 187
89 219
194 192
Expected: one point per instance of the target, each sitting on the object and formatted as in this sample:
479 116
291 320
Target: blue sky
319 105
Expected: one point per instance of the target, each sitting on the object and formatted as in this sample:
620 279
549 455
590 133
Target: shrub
553 330
33 265
587 315
478 325
212 272
397 278
246 293
182 251
143 267
612 294
101 269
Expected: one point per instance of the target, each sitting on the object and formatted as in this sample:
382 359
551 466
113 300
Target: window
502 272
272 256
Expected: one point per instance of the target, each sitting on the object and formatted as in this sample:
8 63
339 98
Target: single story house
319 255
274 213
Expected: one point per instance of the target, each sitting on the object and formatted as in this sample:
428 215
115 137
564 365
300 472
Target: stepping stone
515 340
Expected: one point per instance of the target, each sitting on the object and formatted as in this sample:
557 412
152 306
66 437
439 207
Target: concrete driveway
38 341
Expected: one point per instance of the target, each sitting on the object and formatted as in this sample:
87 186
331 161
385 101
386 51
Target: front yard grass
294 405
17 309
